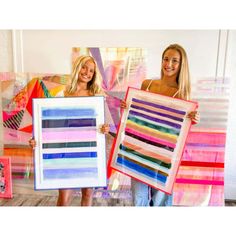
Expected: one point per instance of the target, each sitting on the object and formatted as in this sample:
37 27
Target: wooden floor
25 195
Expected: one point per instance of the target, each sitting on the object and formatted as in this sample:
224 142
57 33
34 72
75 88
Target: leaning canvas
5 177
70 150
151 138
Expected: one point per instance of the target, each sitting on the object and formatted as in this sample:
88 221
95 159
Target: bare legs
65 197
87 197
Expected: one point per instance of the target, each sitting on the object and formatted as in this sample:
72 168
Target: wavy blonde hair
93 85
183 77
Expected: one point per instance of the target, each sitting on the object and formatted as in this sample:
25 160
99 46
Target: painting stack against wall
118 68
200 180
17 92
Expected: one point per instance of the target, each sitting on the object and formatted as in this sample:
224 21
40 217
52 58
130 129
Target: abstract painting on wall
70 150
151 138
5 178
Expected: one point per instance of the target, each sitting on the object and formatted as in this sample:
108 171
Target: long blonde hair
93 85
183 77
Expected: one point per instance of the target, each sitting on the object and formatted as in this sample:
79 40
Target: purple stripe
159 106
177 126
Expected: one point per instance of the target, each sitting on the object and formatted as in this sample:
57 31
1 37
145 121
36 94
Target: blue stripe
70 155
68 123
140 169
72 112
70 173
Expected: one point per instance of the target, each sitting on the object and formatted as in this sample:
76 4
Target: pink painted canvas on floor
5 178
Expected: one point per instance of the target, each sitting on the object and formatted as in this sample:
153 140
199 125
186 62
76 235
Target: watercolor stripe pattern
149 139
69 148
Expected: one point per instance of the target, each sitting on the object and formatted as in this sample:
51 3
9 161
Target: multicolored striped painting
70 151
5 178
151 138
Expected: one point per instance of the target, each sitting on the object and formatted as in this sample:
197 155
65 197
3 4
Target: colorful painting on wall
151 138
70 150
5 178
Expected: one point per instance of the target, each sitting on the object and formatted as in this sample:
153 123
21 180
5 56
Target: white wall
50 50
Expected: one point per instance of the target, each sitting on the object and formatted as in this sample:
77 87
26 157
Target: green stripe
161 163
70 145
152 126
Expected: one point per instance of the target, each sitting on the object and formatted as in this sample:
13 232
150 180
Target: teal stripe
160 163
152 126
70 145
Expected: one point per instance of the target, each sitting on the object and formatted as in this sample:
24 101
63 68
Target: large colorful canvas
5 178
151 138
200 179
71 150
17 91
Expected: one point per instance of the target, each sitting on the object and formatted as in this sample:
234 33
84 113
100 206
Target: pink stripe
150 138
75 135
199 181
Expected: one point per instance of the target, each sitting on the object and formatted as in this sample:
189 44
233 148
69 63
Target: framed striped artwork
70 150
151 138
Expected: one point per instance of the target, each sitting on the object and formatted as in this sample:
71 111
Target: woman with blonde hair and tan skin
174 82
83 83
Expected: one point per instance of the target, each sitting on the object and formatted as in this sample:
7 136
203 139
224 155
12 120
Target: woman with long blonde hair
83 83
174 82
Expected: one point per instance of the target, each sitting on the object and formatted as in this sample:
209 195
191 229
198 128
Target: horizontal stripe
59 113
69 163
159 106
69 135
70 155
199 181
204 145
202 164
158 113
161 121
148 158
145 151
70 173
148 147
168 137
68 123
148 141
140 121
69 145
149 108
161 118
124 161
151 138
71 150
144 162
